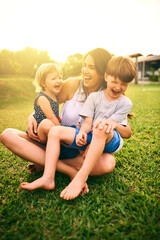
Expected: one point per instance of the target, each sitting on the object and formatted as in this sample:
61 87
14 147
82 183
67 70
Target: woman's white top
70 111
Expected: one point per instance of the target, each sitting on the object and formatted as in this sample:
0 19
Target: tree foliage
23 62
73 65
27 61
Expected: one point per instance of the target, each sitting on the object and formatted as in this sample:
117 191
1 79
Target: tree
23 62
6 62
73 65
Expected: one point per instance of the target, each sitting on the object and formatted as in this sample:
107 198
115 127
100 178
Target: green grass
124 204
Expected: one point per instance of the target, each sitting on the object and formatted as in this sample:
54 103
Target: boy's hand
81 138
108 125
32 128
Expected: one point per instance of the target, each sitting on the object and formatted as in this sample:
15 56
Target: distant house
146 65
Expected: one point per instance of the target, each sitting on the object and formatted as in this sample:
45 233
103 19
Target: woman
73 94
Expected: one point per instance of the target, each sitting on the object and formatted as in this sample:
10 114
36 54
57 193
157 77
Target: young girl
48 82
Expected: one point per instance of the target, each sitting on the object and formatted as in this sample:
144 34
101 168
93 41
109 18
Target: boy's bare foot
72 175
33 168
42 182
74 189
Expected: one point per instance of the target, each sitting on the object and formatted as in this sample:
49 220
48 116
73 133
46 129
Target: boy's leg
99 139
43 130
56 134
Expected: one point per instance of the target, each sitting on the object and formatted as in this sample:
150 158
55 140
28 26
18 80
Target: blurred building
148 66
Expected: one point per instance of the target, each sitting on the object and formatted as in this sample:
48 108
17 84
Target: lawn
124 204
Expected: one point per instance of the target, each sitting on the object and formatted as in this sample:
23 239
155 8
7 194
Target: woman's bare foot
74 189
85 189
33 168
42 182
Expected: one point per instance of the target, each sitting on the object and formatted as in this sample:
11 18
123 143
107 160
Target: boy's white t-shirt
98 107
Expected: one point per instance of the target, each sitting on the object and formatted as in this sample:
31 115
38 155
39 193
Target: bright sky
65 27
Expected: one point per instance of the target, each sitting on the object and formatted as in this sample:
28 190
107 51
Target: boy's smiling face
115 87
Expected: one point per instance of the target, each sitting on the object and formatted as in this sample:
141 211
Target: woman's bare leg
104 165
20 144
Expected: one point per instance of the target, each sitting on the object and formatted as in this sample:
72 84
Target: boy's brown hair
123 68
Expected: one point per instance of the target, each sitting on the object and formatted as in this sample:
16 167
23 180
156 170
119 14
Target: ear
105 76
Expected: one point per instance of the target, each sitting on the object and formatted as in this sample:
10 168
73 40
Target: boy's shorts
112 147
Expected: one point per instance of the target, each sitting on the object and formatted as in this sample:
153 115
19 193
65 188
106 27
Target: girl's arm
44 104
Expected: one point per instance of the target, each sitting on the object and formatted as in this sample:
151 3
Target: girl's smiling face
53 83
115 87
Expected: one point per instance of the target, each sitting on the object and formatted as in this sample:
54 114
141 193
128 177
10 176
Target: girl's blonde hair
42 73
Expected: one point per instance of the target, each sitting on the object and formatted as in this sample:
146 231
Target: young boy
112 107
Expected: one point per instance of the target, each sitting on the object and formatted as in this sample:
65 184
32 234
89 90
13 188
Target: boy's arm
124 131
120 119
81 138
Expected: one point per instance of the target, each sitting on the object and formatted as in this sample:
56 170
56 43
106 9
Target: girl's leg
43 130
56 134
20 144
94 152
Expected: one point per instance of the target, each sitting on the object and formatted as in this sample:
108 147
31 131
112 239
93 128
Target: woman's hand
109 125
32 128
81 138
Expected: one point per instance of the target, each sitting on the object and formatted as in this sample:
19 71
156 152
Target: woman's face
92 80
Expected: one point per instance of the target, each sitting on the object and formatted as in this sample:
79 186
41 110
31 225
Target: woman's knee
105 165
109 164
5 135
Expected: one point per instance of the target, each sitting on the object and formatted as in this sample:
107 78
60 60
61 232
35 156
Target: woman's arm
125 132
32 128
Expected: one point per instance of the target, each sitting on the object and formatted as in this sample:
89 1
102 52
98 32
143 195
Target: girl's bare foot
42 182
33 168
74 189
